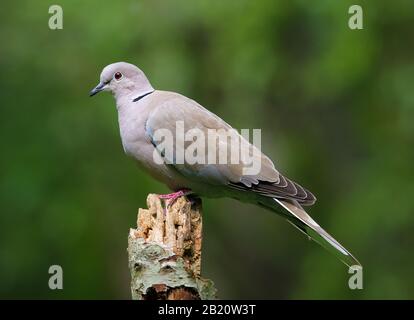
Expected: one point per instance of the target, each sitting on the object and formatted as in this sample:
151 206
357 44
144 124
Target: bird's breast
133 137
137 145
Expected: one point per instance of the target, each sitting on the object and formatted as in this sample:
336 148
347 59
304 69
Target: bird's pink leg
172 197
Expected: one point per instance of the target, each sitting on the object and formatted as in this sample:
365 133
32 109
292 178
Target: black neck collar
142 96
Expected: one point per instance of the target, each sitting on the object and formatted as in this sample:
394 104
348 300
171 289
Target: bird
142 110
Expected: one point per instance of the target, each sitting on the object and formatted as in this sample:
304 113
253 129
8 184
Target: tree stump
164 252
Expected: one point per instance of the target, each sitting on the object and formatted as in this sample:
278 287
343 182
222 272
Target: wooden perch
164 252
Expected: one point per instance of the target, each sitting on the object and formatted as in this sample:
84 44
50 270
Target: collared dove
142 111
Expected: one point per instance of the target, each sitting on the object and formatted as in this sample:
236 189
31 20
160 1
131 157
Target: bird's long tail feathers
303 222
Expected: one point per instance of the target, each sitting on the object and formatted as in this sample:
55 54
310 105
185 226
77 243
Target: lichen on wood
165 252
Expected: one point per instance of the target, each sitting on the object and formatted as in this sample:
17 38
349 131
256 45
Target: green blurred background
335 107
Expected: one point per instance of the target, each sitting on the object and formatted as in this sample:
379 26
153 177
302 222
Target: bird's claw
172 197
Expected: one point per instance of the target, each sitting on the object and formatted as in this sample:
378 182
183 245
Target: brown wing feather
283 189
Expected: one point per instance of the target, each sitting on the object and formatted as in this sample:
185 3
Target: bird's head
122 78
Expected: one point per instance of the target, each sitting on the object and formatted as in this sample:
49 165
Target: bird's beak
97 89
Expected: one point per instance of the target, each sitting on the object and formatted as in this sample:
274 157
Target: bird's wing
266 181
178 110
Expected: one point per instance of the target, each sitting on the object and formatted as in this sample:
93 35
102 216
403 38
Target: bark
164 252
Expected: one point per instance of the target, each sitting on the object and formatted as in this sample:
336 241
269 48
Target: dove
143 111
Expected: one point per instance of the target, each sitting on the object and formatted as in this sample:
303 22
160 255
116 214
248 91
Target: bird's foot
172 197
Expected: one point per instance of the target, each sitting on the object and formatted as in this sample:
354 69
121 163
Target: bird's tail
298 217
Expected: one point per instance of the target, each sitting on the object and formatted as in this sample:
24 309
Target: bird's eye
118 76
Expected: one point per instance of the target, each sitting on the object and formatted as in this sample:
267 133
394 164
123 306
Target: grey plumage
143 110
